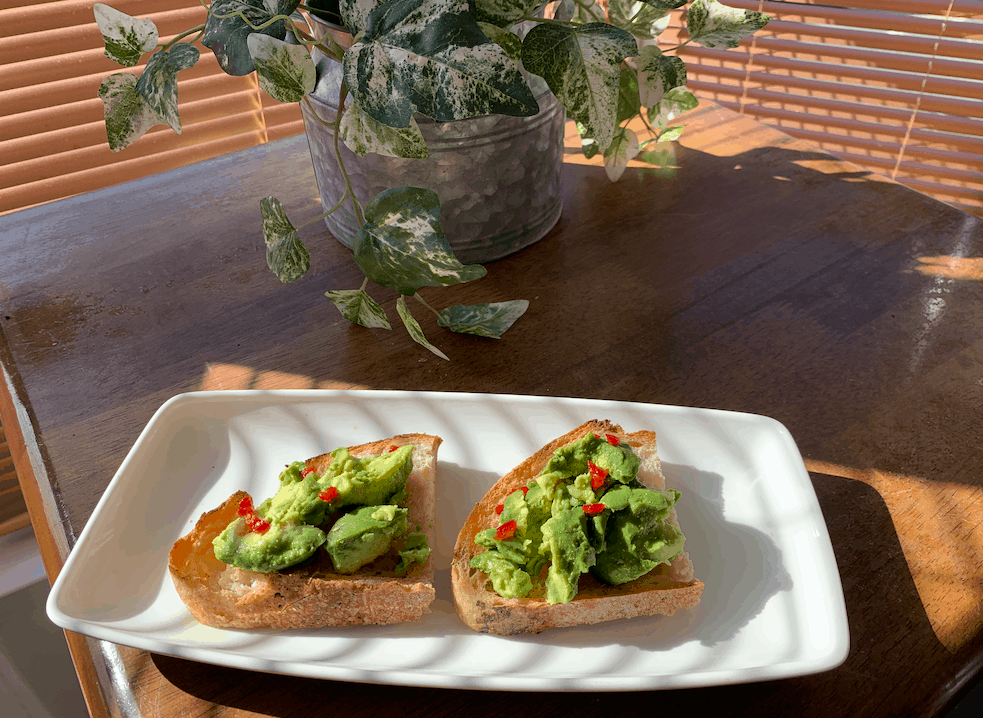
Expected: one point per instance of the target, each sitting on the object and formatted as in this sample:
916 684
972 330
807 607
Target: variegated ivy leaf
362 134
657 74
582 66
158 83
587 143
126 38
506 40
355 13
414 328
490 320
628 98
670 134
286 255
429 56
504 12
402 246
677 101
666 5
231 22
128 116
713 24
565 10
623 149
639 18
286 72
357 306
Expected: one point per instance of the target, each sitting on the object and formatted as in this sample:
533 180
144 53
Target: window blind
52 132
895 86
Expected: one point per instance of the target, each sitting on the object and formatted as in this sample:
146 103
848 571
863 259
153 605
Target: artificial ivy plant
447 60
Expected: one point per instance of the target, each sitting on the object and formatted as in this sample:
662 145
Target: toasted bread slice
313 594
663 590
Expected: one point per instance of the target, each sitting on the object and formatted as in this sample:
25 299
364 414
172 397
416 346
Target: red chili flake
506 530
525 490
612 439
257 523
329 494
392 449
597 475
245 507
307 472
591 509
499 509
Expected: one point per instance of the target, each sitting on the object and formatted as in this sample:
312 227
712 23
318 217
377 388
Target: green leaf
413 327
402 246
430 56
638 18
126 38
357 306
669 134
286 72
582 66
231 22
128 116
286 255
490 320
587 143
666 5
713 24
504 12
505 39
628 98
355 13
677 101
623 149
362 134
657 74
565 10
158 83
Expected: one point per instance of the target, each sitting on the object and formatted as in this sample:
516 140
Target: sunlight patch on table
968 268
940 536
224 377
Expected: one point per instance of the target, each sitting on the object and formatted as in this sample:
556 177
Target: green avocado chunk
622 534
370 481
280 547
361 536
298 508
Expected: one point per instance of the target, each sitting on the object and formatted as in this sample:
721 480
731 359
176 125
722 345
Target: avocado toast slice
548 602
313 594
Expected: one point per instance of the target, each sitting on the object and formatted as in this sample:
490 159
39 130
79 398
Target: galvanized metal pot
497 177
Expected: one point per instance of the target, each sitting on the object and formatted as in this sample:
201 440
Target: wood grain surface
754 274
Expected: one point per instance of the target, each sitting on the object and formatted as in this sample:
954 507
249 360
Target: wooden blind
52 135
895 86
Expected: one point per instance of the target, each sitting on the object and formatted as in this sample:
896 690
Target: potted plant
400 60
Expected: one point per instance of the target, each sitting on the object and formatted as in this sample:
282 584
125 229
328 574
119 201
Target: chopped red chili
307 472
612 439
525 490
257 523
245 507
329 494
591 509
597 475
499 509
506 530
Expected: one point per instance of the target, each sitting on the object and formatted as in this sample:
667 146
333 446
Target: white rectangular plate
773 606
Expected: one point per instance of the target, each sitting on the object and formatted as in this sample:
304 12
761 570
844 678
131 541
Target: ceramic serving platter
772 608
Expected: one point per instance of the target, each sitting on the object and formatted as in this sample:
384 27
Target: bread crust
662 591
311 595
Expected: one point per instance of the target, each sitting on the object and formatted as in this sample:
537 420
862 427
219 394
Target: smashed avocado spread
351 508
586 511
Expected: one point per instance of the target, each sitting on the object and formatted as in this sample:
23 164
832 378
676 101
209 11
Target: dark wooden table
760 275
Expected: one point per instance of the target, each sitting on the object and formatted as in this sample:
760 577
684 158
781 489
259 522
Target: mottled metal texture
498 177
